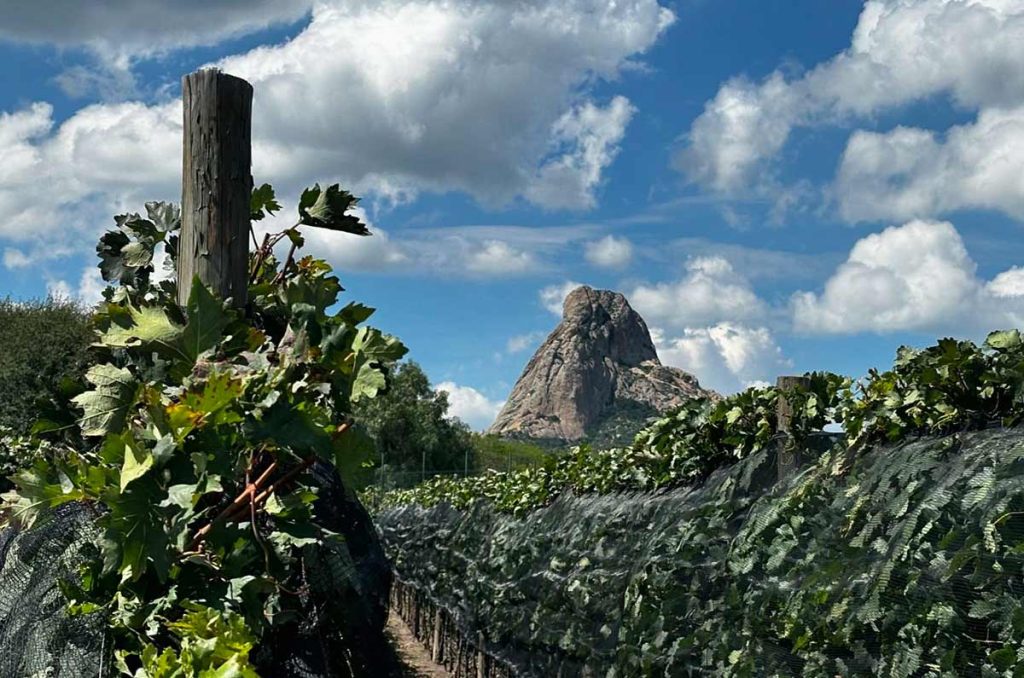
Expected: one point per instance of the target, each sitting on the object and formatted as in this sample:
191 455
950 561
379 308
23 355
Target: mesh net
37 636
339 633
908 562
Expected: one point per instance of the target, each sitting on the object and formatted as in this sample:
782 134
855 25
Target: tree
414 435
42 343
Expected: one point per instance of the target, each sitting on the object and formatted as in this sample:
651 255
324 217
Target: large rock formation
598 369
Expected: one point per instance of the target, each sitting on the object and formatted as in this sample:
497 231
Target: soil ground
415 658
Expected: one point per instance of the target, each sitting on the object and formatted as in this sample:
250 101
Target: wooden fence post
789 458
216 185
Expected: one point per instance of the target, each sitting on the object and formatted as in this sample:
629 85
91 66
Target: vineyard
186 495
895 550
182 486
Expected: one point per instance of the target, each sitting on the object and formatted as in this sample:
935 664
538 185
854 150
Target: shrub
42 344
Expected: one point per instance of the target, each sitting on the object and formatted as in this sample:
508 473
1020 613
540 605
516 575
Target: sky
777 186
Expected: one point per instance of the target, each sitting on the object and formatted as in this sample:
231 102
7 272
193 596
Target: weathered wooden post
435 646
216 186
789 458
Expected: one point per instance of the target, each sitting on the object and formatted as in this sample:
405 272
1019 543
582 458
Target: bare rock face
599 363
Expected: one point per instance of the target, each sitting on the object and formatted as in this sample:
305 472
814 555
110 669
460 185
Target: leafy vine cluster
192 439
951 386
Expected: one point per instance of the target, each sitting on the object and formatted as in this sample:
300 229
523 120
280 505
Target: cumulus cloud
726 357
142 27
470 405
901 51
588 140
390 97
58 185
909 172
917 276
89 290
553 297
463 95
498 258
522 342
1007 284
711 291
609 252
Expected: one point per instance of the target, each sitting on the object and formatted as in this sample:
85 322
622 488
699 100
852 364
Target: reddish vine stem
249 501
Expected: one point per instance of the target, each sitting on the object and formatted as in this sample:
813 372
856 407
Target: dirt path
415 658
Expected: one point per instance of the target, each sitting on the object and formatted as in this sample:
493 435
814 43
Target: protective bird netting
904 560
344 589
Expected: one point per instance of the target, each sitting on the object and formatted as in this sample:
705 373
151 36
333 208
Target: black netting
37 636
909 562
340 632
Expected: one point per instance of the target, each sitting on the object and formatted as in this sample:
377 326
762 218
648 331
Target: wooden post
481 656
435 647
789 458
216 185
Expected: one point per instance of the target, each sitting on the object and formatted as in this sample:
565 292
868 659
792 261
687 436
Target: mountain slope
596 377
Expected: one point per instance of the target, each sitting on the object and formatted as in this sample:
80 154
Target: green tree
42 343
414 435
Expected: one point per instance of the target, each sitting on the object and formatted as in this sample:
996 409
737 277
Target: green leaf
137 462
326 209
355 313
166 216
263 202
142 326
370 380
112 265
206 321
105 407
1004 340
207 403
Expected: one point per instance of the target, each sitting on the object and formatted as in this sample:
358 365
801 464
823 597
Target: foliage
45 346
681 448
200 423
494 453
411 429
908 564
952 386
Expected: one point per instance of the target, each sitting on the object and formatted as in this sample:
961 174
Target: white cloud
901 51
89 291
553 297
917 276
15 258
1008 283
590 137
609 252
391 97
710 292
498 258
909 172
57 187
726 357
522 342
470 405
462 95
141 27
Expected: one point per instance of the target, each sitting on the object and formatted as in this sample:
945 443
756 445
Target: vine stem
249 501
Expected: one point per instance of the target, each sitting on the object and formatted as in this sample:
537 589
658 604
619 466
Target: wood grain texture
216 184
789 458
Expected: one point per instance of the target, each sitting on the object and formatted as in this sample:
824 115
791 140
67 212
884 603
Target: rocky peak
597 365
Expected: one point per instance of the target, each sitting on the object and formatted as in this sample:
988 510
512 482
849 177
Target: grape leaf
104 408
137 462
325 208
147 325
206 321
263 202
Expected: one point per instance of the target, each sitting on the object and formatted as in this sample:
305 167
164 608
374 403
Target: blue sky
776 186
